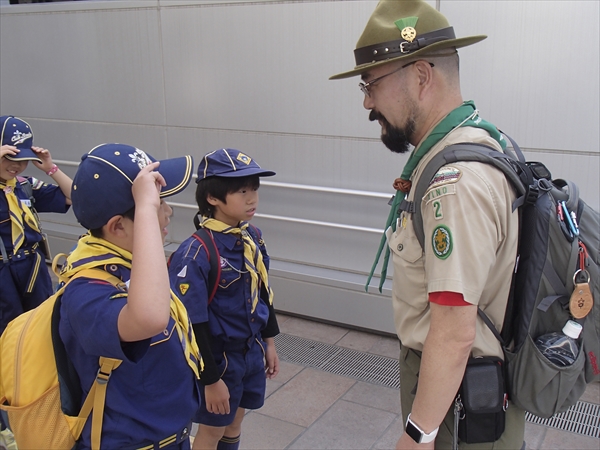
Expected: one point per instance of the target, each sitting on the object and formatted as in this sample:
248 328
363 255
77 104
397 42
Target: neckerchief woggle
253 259
18 211
465 115
92 252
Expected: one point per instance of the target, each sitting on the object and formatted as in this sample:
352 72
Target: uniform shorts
242 366
24 284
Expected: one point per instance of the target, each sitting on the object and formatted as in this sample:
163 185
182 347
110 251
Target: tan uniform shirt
470 245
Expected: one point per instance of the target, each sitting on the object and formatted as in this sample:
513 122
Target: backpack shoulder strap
469 152
27 188
206 239
68 376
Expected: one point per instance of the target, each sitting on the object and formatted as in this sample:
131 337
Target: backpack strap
524 185
96 397
214 275
27 188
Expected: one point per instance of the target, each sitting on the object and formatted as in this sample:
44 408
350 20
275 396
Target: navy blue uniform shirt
229 315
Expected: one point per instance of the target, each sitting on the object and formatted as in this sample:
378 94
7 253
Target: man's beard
394 138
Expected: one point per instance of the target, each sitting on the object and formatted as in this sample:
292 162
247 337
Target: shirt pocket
165 347
405 245
230 294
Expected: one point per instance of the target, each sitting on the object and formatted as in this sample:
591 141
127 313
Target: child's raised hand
147 185
44 155
8 150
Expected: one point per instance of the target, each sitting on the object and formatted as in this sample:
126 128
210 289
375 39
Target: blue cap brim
25 154
246 173
177 173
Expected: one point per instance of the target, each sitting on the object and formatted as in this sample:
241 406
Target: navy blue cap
102 185
17 132
228 162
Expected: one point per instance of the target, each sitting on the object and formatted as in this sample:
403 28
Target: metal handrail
302 187
292 219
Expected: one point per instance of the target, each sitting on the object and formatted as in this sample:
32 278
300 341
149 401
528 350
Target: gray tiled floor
307 408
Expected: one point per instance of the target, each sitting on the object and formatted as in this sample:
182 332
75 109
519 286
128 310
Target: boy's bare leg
207 437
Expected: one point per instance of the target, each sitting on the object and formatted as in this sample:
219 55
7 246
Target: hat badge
140 158
407 28
244 158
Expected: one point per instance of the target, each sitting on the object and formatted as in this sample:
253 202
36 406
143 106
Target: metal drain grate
338 360
582 418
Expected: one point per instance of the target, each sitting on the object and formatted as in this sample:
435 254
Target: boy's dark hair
97 232
219 187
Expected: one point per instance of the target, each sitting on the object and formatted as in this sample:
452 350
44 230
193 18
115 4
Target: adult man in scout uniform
407 59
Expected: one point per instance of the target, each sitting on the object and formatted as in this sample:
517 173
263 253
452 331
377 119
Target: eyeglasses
366 87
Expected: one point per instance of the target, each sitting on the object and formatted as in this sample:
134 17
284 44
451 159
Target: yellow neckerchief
252 255
18 211
93 252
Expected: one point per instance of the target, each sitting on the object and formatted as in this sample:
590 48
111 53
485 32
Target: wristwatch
418 435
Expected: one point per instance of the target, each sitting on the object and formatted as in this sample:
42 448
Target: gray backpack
559 249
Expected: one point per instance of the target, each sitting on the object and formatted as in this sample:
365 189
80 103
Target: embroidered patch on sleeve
439 191
441 241
446 174
183 288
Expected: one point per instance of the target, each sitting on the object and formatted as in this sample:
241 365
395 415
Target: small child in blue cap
151 397
24 278
236 330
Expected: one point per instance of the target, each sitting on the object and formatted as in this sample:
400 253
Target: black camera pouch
481 401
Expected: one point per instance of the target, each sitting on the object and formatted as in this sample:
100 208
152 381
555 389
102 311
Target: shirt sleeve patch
441 241
445 175
439 191
183 288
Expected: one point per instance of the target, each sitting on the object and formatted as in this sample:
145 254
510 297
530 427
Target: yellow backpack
39 388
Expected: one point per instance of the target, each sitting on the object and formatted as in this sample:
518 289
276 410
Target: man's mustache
375 116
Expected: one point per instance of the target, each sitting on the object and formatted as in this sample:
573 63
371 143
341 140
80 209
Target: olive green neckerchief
465 115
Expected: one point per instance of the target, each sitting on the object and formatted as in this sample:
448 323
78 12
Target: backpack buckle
102 377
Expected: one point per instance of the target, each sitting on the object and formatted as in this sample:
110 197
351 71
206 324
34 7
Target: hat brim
25 154
450 43
177 173
246 173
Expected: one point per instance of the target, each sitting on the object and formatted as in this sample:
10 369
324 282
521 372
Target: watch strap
417 434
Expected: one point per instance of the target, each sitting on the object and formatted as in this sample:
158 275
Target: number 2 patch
441 241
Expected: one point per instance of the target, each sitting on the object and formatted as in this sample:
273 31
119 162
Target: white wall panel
264 67
537 74
84 65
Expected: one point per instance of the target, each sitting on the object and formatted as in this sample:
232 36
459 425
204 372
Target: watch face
413 432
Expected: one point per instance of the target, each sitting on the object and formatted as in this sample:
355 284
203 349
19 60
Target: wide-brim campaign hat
402 29
18 133
102 184
229 163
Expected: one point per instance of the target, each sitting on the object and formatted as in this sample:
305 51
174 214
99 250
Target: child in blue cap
24 278
117 195
235 330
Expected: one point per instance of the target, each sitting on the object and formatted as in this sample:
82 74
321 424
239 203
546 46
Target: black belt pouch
483 397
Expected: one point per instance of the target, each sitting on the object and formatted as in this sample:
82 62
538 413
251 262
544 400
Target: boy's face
164 217
238 206
10 169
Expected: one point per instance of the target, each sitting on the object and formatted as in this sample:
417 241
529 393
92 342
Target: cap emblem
407 28
19 137
140 158
244 158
